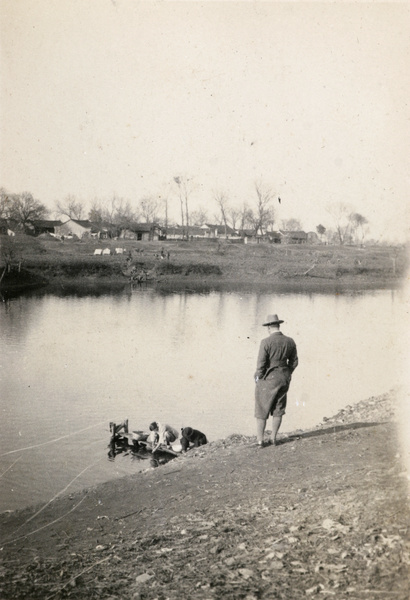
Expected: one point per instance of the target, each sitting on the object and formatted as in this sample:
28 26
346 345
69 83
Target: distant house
274 237
293 237
142 232
197 232
249 236
44 226
175 233
75 227
104 231
219 231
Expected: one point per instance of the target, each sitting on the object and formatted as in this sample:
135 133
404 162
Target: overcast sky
115 96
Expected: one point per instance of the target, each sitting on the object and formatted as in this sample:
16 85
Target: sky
119 97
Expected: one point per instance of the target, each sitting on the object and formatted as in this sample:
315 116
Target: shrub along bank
205 261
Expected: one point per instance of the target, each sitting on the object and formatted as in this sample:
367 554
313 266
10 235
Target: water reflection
136 451
72 362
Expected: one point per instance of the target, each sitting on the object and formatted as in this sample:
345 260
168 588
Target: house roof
83 223
220 229
46 223
196 229
174 230
142 227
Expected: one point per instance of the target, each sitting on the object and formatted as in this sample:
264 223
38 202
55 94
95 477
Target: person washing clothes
161 434
192 436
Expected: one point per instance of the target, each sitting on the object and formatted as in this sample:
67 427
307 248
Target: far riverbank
54 265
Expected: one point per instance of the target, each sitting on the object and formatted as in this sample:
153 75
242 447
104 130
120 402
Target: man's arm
293 360
261 364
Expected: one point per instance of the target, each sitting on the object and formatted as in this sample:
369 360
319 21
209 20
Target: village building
220 231
175 233
104 231
75 227
41 226
193 232
293 237
198 232
249 236
142 232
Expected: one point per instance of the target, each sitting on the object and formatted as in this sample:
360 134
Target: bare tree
70 207
25 208
149 207
234 215
245 217
163 201
185 188
199 217
340 213
178 181
111 208
124 214
291 225
264 214
217 219
95 214
222 201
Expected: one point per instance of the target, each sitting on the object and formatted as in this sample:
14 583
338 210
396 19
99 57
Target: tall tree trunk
182 213
187 214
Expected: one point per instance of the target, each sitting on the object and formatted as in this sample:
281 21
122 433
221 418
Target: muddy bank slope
324 514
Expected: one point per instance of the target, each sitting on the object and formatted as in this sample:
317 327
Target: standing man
277 359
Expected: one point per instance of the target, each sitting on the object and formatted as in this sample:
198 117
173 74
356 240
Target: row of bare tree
257 215
260 217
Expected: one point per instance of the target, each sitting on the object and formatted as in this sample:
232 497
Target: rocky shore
324 514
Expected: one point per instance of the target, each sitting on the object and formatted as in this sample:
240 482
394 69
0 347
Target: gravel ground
324 514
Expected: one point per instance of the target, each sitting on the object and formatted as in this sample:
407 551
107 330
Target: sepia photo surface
179 182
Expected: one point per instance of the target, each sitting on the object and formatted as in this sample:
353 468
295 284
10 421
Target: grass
242 263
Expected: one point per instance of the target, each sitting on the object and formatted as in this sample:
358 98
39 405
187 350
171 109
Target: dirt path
323 514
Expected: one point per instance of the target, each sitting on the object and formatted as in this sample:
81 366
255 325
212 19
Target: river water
71 364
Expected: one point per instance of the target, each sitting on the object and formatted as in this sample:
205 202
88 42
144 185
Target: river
71 364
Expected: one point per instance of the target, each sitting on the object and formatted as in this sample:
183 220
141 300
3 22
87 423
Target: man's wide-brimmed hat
272 320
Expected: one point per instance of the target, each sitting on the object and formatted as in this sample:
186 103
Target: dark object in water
135 444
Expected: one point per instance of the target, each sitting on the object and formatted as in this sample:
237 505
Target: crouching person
192 436
161 434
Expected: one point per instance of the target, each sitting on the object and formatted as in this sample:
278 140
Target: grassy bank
211 263
322 515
